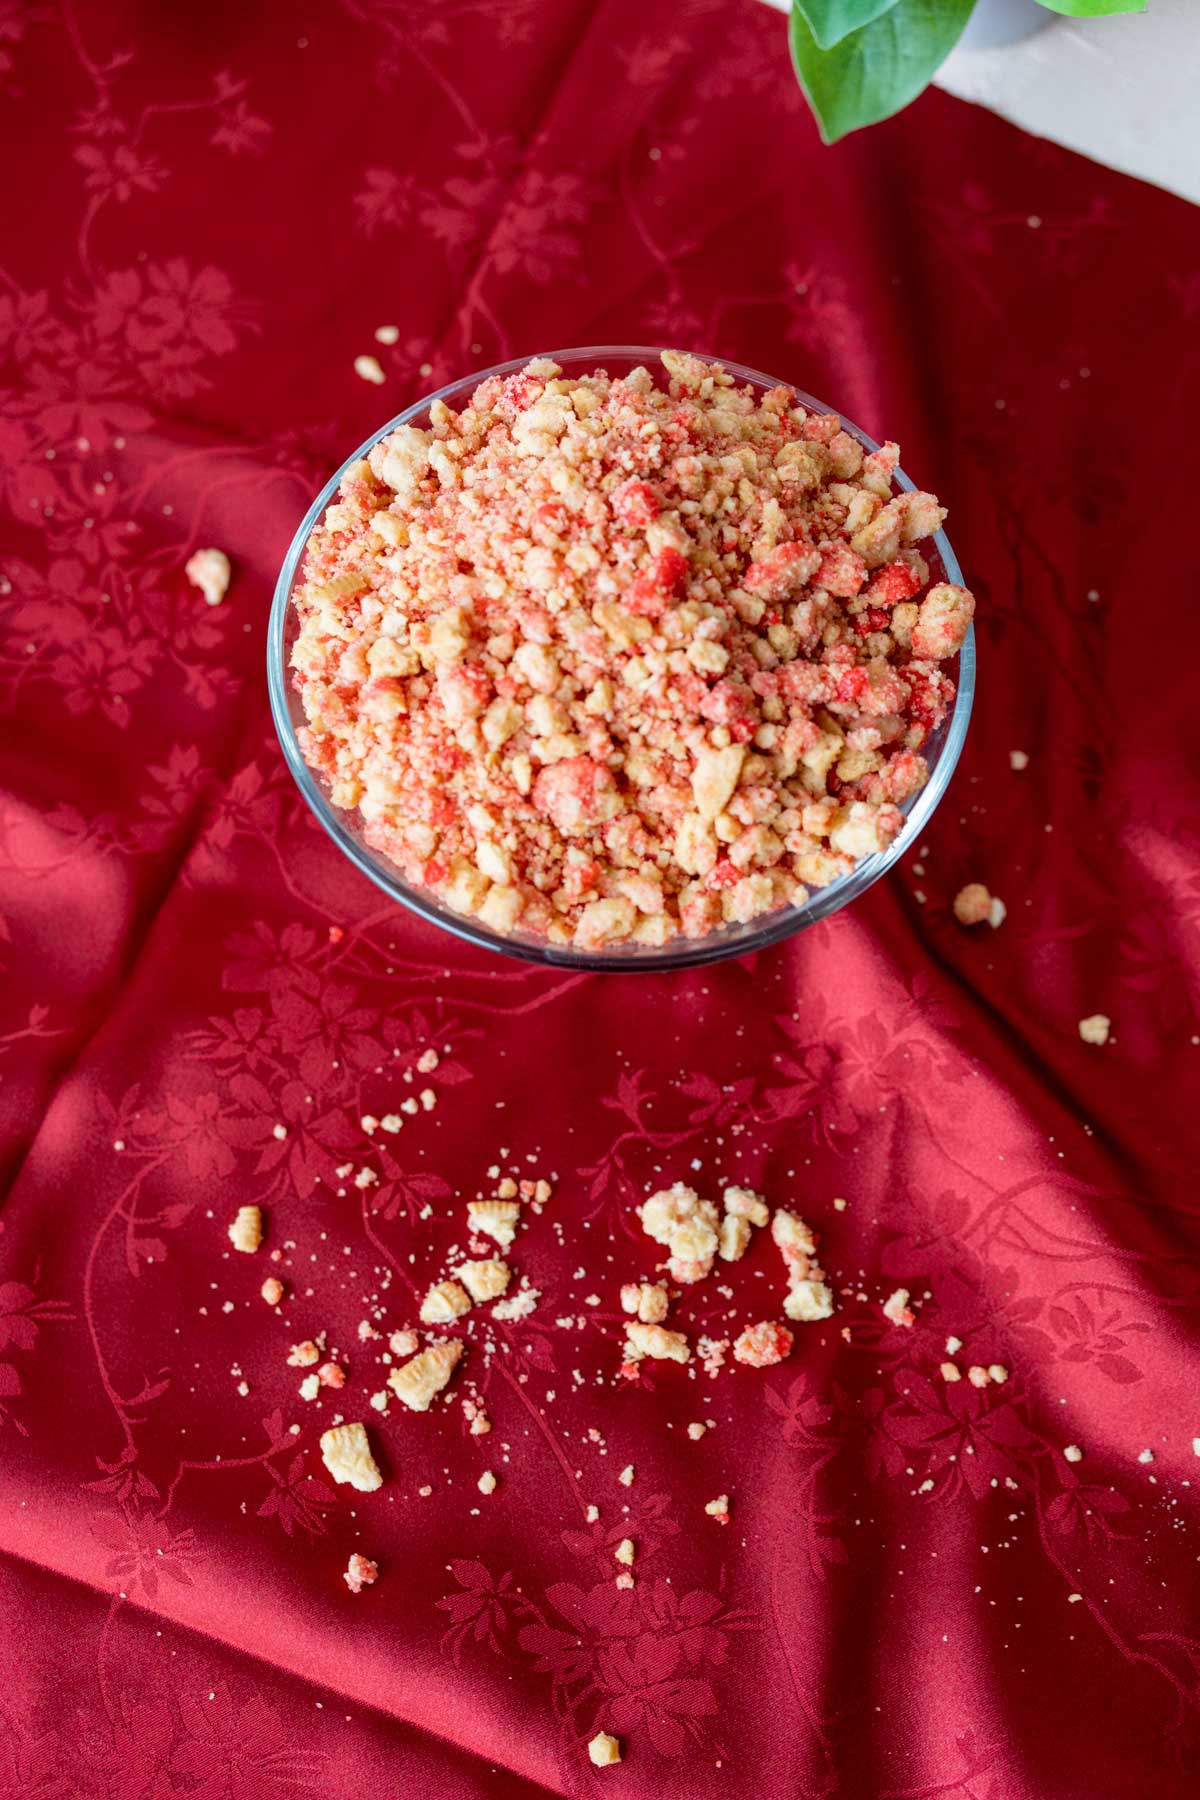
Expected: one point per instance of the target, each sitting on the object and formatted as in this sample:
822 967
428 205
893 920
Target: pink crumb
763 1344
360 1573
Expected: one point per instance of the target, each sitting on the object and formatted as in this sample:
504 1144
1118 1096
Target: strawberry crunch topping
602 661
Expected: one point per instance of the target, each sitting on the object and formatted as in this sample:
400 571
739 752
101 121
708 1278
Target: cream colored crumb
1017 759
310 1387
648 1300
331 1375
696 1431
485 1278
592 1514
972 904
953 1346
1095 1028
368 368
896 1308
360 1572
496 1219
346 1452
305 1355
626 1476
379 1400
998 1373
387 334
487 1482
445 1301
272 1290
210 571
604 1749
744 1203
428 1061
246 1232
517 1306
404 1343
420 1381
840 1205
391 1123
1072 1453
1145 1456
719 1509
656 1342
625 1552
950 1372
978 1376
734 1238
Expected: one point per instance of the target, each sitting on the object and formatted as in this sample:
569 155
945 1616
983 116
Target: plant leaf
879 68
832 20
1092 9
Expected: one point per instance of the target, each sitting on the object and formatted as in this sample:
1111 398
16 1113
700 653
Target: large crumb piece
497 1219
444 1302
604 1749
626 1552
763 1344
209 570
655 1341
485 1278
687 1225
346 1452
361 1572
305 1355
487 1482
647 1300
419 1381
896 1308
744 1203
246 1232
809 1297
734 1238
718 1509
972 904
1095 1028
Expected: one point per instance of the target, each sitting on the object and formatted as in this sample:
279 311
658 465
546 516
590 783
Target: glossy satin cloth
209 211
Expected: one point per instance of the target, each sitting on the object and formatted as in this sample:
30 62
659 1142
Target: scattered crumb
387 334
1073 1453
497 1219
1073 1598
763 1344
209 570
625 1552
896 1309
246 1232
368 369
487 1482
310 1387
1017 759
360 1573
331 1375
346 1452
279 1132
626 1476
485 1279
604 1749
272 1290
419 1381
655 1341
953 1346
379 1400
949 1372
998 1373
839 1205
404 1343
592 1514
973 904
1095 1028
696 1431
303 1356
518 1305
648 1300
718 1509
1145 1456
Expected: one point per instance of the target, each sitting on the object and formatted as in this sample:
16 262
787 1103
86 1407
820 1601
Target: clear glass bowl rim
679 953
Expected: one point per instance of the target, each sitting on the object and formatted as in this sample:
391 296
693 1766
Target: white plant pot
997 22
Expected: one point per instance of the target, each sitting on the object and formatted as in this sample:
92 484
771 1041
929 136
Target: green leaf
1092 9
879 68
832 20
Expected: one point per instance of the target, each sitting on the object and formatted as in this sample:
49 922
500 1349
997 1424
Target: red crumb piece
336 934
763 1344
360 1573
331 1375
635 503
842 571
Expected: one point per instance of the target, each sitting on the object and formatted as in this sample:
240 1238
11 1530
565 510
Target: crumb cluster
605 661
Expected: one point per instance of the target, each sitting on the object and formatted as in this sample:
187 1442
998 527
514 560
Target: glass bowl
941 750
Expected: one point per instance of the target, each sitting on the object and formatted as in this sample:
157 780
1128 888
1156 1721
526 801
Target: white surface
1122 90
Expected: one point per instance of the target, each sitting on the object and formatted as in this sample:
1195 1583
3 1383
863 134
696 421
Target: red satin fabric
916 1594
